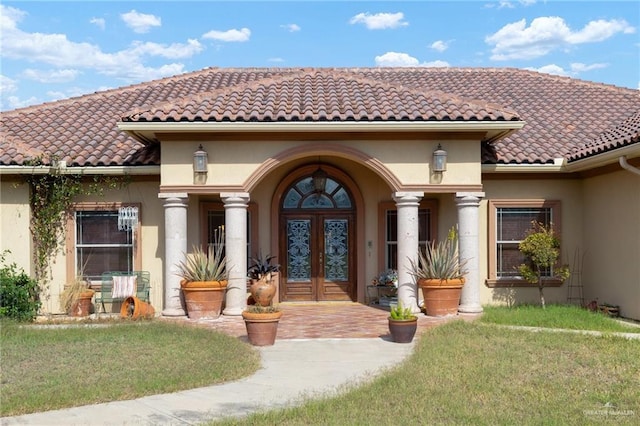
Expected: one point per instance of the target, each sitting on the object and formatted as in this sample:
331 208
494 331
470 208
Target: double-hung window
99 246
212 221
388 230
509 222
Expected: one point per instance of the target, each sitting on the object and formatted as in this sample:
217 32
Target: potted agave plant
440 274
261 317
402 324
204 279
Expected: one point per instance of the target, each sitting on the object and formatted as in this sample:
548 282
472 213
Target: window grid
100 246
391 233
512 224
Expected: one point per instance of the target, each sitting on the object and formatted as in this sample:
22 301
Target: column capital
463 195
237 198
402 197
167 195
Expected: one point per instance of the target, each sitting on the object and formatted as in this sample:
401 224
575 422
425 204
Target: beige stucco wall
233 162
612 241
15 235
569 192
14 223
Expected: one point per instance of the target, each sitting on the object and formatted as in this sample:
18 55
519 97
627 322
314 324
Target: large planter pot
441 297
262 328
402 331
263 291
82 306
134 308
203 298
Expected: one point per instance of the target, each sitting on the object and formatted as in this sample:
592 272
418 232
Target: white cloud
546 34
435 64
551 69
278 60
600 30
578 67
397 59
230 35
172 51
140 22
9 17
7 85
439 45
50 76
98 22
58 51
380 21
574 69
13 102
292 28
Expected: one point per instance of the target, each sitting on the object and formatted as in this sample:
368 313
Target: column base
234 312
174 312
470 308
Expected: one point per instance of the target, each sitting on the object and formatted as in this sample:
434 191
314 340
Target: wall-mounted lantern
200 163
319 179
439 160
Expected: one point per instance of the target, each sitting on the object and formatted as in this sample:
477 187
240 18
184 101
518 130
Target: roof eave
145 132
89 170
604 159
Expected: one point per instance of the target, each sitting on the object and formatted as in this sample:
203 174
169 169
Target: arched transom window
303 195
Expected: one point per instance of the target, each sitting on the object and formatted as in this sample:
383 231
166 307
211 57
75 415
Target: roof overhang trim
99 170
146 131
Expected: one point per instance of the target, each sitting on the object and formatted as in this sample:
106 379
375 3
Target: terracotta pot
203 299
134 308
262 328
441 297
263 291
402 331
82 306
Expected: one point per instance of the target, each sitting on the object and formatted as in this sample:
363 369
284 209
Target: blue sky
57 49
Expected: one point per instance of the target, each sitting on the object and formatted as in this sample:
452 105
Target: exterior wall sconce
200 163
439 160
319 179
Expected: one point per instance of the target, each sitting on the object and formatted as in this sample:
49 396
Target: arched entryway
317 236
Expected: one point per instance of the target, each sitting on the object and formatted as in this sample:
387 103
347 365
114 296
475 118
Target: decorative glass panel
292 199
342 199
303 195
317 201
336 253
298 250
305 186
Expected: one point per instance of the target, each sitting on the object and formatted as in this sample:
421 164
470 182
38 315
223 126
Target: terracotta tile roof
627 133
561 113
321 95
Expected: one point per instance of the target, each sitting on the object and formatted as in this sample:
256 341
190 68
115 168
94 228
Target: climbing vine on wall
51 199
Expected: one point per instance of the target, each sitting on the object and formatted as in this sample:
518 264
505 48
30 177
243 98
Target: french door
318 257
317 241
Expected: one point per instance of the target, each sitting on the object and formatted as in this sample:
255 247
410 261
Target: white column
407 204
468 230
235 218
175 247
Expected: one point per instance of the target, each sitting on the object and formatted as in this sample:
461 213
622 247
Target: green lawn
555 316
460 373
50 368
472 374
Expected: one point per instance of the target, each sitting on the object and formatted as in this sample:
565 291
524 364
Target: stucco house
332 170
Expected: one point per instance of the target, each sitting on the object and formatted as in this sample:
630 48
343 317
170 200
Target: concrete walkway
291 370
